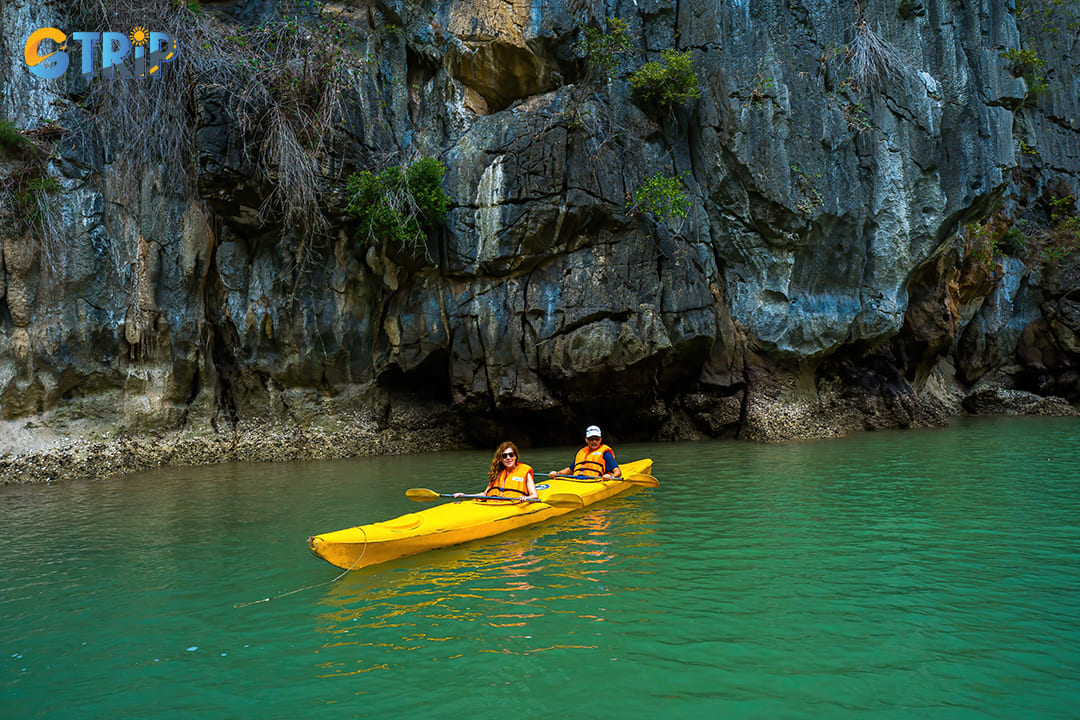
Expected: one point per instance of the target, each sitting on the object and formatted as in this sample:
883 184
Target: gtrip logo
138 54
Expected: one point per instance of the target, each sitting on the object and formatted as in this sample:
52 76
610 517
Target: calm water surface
891 575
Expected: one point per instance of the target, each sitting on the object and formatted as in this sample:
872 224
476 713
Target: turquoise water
891 575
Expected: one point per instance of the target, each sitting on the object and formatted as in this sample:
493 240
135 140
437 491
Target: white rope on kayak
310 587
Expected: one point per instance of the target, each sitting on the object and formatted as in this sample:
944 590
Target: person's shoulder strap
578 456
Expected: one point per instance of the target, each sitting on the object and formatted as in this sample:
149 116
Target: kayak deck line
457 522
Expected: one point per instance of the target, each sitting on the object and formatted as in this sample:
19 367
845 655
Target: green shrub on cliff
1026 63
1050 17
398 204
984 244
659 86
661 197
606 53
1064 235
1012 243
1042 244
1023 61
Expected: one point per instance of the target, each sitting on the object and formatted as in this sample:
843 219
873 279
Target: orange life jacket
512 481
591 462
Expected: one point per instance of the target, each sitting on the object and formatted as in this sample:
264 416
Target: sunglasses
509 454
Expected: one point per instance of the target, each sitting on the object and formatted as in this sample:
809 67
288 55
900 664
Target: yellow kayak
458 522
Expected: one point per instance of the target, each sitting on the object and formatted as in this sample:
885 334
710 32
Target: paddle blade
564 500
421 494
642 480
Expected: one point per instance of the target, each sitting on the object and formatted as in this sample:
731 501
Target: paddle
637 479
559 500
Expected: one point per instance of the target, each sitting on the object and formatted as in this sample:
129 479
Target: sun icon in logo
139 36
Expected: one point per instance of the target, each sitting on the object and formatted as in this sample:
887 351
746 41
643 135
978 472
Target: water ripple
891 575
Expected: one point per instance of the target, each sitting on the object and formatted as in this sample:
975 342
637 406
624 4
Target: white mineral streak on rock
462 105
489 198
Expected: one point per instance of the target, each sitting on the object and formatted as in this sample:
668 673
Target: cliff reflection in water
517 585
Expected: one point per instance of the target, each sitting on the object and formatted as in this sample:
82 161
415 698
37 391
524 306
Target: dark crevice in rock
1069 124
428 381
227 372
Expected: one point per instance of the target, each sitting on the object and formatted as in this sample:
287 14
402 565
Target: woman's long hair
496 462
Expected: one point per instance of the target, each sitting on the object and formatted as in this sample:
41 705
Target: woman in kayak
509 478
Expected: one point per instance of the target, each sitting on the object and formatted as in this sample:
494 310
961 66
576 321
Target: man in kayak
509 478
594 460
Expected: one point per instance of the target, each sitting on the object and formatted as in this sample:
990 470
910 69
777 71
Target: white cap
593 431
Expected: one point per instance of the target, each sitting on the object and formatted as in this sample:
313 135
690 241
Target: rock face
851 169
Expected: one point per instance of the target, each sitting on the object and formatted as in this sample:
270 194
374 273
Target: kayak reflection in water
594 460
509 478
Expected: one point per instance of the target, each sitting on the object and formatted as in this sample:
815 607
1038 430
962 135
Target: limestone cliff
882 227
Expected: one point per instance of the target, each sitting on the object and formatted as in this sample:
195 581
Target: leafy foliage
990 240
397 204
1042 245
764 87
606 52
661 197
807 185
1063 238
1027 63
660 85
1050 17
1012 243
1023 61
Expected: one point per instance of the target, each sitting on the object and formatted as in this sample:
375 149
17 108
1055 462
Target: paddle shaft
591 478
636 479
563 500
480 496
